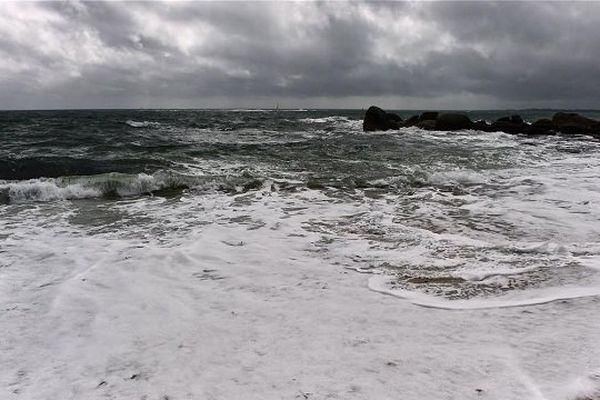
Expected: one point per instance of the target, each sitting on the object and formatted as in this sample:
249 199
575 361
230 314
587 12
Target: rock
542 126
543 123
595 130
572 119
482 126
453 122
515 119
566 123
394 117
412 121
508 127
428 116
573 123
428 124
513 125
378 120
574 130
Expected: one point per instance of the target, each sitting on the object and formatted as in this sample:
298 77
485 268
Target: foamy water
472 275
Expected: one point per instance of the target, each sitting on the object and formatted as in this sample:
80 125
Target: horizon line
297 109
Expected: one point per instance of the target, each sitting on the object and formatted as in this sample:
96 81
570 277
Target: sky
327 54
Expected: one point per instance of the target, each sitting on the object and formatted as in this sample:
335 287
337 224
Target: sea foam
142 124
84 187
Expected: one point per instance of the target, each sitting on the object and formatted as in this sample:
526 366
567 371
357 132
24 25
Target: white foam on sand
231 298
532 297
258 295
480 274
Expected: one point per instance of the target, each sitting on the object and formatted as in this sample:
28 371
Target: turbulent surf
258 201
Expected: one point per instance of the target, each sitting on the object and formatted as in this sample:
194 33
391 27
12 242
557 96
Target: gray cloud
216 54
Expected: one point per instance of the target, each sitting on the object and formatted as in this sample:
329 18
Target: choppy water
449 219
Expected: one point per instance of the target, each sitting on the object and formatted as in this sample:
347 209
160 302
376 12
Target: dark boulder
394 117
573 123
482 126
514 119
543 123
378 120
428 116
428 124
412 121
574 129
542 126
562 118
508 127
562 122
453 122
513 125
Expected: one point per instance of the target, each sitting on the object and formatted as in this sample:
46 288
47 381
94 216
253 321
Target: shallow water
115 220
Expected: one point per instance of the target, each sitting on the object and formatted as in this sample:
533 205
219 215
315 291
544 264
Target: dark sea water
326 145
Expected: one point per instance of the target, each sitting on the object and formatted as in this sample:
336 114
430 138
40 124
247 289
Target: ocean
258 254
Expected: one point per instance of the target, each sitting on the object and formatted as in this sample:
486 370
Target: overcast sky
309 54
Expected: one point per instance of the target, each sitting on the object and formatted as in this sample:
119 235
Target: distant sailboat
277 111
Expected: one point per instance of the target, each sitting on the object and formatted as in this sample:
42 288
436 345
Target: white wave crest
337 120
142 124
465 177
46 190
323 120
85 187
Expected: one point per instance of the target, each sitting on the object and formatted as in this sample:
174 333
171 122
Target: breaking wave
335 120
142 124
85 187
116 185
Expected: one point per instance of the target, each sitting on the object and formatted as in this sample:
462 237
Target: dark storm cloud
203 54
